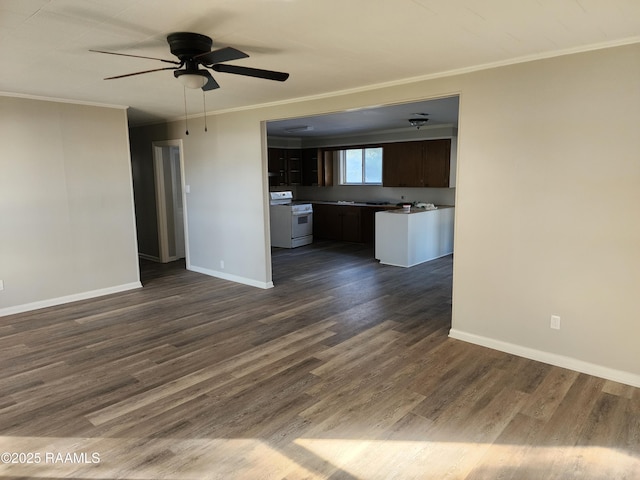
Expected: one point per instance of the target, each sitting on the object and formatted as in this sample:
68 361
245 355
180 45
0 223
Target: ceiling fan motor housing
186 45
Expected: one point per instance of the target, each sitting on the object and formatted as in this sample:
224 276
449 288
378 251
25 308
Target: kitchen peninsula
407 239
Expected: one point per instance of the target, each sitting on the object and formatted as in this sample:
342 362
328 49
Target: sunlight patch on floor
312 458
371 459
146 459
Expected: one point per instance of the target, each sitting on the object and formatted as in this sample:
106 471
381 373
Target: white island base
408 239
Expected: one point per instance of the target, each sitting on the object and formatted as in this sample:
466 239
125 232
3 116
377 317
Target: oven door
301 224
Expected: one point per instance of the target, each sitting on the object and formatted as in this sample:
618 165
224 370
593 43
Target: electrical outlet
222 264
1 285
555 322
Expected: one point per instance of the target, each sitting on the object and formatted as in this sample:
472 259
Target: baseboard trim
52 302
231 277
550 358
149 257
417 263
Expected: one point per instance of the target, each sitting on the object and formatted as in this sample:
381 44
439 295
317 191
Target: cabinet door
325 168
310 175
337 222
351 231
367 223
294 167
327 222
320 220
276 166
402 164
437 163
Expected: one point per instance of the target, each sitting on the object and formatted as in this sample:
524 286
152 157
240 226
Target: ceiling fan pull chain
186 123
204 108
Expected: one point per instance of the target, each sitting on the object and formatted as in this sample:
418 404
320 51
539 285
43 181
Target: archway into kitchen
307 159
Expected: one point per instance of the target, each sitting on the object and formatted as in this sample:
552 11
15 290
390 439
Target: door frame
161 210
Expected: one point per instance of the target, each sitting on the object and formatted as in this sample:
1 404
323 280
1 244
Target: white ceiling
326 45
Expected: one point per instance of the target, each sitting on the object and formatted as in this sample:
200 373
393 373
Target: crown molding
417 79
62 100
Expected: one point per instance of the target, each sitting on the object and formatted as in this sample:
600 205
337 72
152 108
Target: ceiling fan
194 50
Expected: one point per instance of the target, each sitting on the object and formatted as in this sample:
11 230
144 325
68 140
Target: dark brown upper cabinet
424 163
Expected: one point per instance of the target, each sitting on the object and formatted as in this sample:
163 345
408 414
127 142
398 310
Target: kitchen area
383 177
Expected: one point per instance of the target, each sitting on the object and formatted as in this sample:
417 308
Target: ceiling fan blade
221 55
140 73
211 83
251 72
136 56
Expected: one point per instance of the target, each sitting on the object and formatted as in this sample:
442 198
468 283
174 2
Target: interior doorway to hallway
168 163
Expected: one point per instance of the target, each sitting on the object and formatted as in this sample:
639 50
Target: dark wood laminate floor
342 371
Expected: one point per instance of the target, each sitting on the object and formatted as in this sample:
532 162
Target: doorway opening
343 211
168 166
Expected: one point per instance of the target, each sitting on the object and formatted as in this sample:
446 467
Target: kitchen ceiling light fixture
301 128
418 122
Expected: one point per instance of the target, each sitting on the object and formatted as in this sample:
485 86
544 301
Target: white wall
548 217
66 206
547 199
228 236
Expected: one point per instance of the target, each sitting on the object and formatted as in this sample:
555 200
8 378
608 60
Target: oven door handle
300 214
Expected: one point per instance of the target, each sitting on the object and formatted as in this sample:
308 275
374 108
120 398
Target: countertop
392 207
354 204
419 210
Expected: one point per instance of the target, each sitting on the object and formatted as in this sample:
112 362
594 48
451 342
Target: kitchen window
361 166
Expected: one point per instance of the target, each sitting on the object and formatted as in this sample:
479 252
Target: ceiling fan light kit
191 79
193 51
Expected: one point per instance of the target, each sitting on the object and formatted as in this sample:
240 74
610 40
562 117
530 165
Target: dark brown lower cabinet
344 223
350 223
326 222
336 222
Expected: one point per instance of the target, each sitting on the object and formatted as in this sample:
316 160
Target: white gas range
291 222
